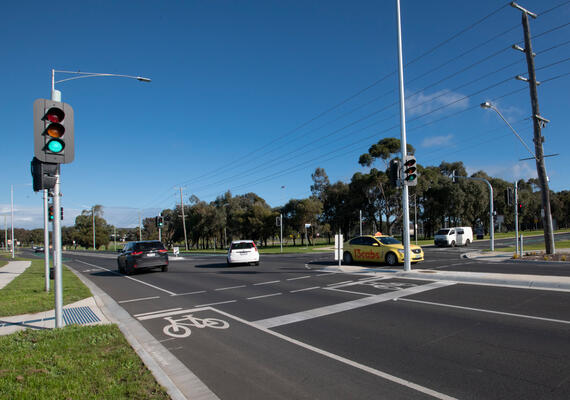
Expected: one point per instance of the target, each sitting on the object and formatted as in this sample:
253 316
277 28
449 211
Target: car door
368 250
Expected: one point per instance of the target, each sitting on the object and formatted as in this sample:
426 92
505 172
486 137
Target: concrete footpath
175 377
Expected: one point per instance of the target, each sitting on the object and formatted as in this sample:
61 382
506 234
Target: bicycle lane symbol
180 328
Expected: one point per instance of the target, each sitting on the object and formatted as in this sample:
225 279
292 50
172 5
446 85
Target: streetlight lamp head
521 78
142 79
486 105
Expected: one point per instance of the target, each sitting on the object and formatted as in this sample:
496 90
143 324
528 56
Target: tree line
437 201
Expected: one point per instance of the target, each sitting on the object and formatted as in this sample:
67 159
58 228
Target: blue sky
252 96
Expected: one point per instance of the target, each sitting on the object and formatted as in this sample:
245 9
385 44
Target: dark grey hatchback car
142 255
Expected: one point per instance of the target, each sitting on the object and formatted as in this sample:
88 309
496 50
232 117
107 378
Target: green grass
562 244
26 294
74 362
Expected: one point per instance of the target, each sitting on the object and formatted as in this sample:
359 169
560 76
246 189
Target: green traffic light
55 146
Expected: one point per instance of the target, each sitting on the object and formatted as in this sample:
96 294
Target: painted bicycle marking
389 285
180 328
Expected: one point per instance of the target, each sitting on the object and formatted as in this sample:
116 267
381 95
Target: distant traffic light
53 132
520 208
50 213
61 210
159 221
43 174
509 196
410 171
394 172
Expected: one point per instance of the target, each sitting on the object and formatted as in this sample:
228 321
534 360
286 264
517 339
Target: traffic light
520 208
43 174
61 211
394 172
410 171
50 213
509 196
53 132
159 221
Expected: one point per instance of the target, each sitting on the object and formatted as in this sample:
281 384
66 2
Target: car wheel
128 269
164 268
452 243
256 263
119 267
467 242
391 259
347 258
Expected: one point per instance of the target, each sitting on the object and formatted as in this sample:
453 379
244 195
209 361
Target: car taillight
136 253
163 251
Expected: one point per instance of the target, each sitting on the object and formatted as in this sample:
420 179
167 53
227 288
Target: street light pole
12 220
405 205
56 96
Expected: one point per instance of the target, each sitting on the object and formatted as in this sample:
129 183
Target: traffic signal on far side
509 196
410 177
53 132
159 221
50 213
520 208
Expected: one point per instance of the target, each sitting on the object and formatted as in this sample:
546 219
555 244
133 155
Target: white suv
243 252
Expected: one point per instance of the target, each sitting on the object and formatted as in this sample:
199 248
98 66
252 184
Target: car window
388 240
148 246
368 241
452 232
357 241
460 232
242 245
442 232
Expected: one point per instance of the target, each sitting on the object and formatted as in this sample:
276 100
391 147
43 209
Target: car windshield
242 245
442 232
388 240
149 246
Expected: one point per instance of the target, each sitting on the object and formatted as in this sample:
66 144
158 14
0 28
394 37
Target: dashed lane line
265 283
298 277
140 299
263 296
230 287
305 289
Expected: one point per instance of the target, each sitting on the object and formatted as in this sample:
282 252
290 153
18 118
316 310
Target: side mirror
375 244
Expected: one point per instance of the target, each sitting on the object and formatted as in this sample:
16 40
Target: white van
460 236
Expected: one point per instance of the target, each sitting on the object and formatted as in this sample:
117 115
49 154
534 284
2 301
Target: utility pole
183 219
93 222
538 123
46 240
140 228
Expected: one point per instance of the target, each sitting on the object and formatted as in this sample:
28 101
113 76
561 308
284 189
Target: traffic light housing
43 174
159 221
410 177
394 172
509 196
53 132
51 216
520 208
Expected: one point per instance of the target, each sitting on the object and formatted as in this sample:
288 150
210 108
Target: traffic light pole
516 203
46 239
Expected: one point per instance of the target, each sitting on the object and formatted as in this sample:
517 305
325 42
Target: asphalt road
288 330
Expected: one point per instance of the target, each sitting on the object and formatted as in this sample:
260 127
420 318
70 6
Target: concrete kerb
173 375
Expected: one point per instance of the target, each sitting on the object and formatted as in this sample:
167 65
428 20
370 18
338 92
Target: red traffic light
55 114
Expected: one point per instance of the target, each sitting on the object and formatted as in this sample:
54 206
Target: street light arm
90 75
515 132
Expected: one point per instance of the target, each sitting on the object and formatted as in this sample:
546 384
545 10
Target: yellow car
379 248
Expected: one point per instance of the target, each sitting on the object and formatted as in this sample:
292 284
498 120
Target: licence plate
151 255
416 257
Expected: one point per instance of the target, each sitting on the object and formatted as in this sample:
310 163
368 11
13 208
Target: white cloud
507 172
437 141
422 103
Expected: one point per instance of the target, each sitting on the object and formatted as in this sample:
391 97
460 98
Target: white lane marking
303 290
346 306
561 321
265 283
231 287
157 312
327 273
128 277
265 295
141 299
299 277
189 293
214 304
339 283
344 360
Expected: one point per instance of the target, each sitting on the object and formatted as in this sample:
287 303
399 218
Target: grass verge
90 362
562 244
26 294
